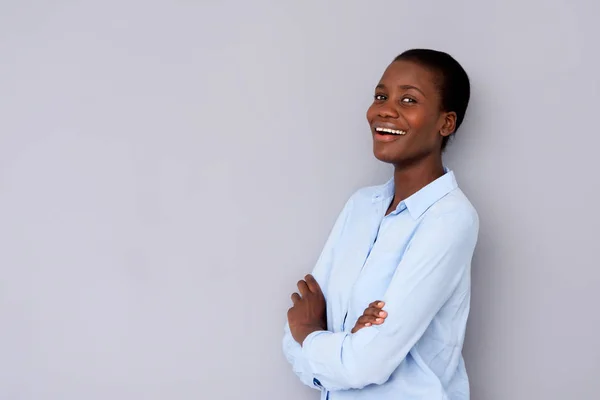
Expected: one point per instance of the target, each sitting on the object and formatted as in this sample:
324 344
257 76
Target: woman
384 313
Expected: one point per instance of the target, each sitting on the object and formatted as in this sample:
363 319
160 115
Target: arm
292 349
437 258
293 353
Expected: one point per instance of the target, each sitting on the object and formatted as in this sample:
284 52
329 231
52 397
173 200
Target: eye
380 97
408 100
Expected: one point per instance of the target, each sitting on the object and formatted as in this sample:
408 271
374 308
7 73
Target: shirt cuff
323 352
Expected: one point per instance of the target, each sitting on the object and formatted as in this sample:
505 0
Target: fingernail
379 319
381 313
380 304
368 324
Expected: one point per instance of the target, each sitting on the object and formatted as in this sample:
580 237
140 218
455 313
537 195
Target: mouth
389 131
386 132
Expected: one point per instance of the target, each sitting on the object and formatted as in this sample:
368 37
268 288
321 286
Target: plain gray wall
168 170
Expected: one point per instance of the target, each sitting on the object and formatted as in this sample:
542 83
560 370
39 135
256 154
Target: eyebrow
405 87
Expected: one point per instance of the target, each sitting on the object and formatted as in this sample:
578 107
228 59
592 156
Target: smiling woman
424 92
384 312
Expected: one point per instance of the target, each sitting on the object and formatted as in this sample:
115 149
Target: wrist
302 332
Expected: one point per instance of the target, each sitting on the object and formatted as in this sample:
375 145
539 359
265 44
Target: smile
389 131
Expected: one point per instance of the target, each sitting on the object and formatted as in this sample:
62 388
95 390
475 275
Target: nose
387 110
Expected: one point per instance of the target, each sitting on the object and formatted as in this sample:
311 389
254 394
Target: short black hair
453 85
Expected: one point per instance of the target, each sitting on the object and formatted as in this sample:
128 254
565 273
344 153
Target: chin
384 158
384 154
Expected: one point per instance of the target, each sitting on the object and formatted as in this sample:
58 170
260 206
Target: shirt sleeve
435 261
292 349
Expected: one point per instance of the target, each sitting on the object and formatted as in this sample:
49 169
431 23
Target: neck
409 179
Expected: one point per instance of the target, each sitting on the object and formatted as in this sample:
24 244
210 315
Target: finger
303 288
375 312
365 322
359 326
377 304
369 319
296 298
312 283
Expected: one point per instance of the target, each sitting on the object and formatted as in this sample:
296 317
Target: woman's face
406 118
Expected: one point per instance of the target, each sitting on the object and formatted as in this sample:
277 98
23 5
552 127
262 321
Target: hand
308 314
373 315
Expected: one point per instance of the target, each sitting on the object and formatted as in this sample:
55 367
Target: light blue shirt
417 260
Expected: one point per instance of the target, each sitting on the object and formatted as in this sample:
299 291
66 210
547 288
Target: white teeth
392 131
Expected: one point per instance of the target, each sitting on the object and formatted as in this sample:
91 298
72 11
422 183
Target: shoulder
453 213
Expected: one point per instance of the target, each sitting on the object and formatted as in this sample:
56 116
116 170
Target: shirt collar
420 201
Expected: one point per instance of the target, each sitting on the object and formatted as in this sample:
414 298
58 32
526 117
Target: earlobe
445 131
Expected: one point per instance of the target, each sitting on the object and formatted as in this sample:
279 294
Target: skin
407 98
373 315
308 314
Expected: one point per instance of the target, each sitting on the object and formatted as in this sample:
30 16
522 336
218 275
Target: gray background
168 170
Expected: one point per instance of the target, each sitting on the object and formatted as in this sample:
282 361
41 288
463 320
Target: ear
449 123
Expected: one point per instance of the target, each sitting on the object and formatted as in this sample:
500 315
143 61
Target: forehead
408 73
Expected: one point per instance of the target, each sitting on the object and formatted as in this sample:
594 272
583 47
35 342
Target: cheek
422 121
417 118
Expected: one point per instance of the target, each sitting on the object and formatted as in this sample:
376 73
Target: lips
384 131
388 129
